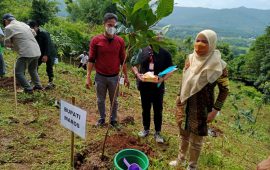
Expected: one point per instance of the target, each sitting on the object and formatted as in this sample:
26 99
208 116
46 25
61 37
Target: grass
24 146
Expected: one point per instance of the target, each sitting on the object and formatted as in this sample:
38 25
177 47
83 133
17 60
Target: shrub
71 38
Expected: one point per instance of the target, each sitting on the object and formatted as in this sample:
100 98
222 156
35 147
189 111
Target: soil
124 94
7 83
92 117
90 158
128 120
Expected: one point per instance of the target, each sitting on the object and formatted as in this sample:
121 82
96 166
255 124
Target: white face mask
111 30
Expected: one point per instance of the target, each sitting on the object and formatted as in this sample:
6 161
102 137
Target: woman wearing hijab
204 69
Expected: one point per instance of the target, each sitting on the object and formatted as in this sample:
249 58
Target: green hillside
32 137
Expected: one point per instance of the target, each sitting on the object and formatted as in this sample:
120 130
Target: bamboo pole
72 143
15 87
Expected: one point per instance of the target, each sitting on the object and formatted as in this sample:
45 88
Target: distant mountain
240 21
62 8
235 22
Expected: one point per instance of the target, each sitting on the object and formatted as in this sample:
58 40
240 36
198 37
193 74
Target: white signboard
73 118
122 80
1 32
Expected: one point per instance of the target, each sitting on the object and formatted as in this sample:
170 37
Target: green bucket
132 156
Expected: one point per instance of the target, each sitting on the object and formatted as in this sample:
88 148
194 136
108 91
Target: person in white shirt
84 59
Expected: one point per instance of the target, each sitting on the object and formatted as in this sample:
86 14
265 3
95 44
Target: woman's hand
179 114
211 116
160 79
139 76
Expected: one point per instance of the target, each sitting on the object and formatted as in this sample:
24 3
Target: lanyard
151 60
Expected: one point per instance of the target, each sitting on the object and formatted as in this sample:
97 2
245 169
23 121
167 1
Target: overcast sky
219 4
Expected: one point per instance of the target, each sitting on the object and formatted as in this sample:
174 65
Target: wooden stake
15 87
72 143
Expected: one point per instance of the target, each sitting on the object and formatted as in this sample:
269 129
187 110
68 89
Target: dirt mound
128 120
7 83
122 140
90 158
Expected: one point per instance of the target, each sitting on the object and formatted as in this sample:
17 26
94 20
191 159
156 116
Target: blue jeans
103 84
31 64
2 65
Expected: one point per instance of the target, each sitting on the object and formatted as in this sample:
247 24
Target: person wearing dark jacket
151 93
48 51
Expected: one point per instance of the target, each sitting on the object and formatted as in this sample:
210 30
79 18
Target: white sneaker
143 133
159 138
177 162
174 163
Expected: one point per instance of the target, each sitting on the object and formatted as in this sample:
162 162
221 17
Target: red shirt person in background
107 54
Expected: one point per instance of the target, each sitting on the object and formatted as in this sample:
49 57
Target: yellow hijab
202 70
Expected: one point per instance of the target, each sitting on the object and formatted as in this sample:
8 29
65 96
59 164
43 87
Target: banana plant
138 20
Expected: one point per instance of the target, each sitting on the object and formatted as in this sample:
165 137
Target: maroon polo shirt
107 54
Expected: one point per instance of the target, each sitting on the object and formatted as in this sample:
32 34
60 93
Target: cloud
219 4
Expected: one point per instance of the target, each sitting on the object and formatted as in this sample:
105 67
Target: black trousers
151 97
82 65
49 67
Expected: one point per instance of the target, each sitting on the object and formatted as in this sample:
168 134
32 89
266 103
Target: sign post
74 119
72 143
72 152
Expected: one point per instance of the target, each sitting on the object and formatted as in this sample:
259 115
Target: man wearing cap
48 51
107 53
19 37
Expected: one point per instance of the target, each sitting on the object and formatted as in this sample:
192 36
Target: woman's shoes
177 162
